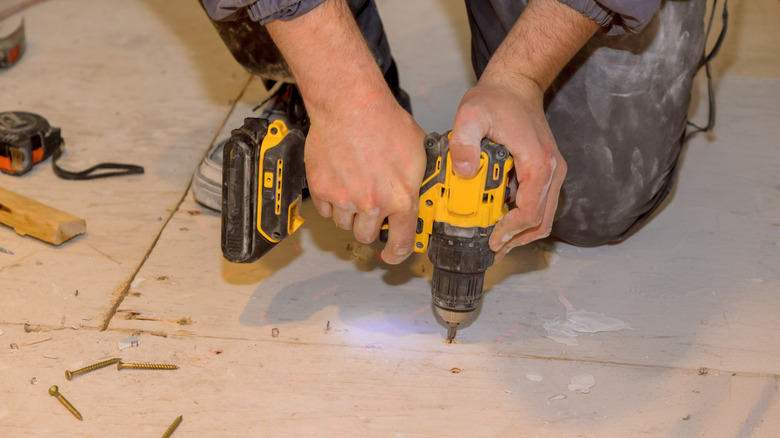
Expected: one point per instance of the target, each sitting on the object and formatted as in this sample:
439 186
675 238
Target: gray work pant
618 110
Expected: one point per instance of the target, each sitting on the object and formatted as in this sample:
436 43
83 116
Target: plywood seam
710 370
125 288
225 120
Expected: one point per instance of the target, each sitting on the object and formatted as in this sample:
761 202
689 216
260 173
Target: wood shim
29 217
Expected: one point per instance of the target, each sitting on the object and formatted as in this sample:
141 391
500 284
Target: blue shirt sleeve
617 16
261 11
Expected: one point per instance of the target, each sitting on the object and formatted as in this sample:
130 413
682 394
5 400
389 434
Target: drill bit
451 332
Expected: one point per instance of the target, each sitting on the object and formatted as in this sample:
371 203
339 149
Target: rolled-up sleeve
261 11
617 16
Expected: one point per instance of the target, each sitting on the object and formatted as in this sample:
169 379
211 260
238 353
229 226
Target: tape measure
27 139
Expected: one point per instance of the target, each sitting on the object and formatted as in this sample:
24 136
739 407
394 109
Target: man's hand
508 109
364 156
366 164
506 106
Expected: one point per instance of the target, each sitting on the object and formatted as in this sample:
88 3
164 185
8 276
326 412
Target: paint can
12 44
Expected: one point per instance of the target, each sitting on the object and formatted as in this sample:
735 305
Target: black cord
705 62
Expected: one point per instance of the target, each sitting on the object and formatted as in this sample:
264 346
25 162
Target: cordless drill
262 182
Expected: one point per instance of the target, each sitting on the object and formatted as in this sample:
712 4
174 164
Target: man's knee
604 211
590 230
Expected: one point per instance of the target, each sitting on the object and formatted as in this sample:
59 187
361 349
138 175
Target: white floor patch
579 321
533 377
582 383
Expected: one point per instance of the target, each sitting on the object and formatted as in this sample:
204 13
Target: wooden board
31 218
698 284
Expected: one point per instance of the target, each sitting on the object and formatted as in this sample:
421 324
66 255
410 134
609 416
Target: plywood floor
150 82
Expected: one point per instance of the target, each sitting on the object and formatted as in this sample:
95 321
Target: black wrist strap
110 169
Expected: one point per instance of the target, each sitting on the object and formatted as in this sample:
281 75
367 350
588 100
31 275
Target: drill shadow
377 297
392 299
361 293
280 256
327 237
363 300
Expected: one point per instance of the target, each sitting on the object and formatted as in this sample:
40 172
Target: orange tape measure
25 139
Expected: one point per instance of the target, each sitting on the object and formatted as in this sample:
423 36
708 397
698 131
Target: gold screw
56 392
172 427
71 374
145 366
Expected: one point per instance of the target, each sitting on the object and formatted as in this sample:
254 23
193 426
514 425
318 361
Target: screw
172 427
56 393
145 366
71 374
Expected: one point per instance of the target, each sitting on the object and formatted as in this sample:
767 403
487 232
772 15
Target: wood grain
152 84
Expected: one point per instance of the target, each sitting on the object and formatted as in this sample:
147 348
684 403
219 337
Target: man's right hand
365 164
364 156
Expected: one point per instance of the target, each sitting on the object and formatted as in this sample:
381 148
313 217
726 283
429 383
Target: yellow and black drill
263 179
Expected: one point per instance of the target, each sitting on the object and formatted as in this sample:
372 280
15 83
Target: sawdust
359 252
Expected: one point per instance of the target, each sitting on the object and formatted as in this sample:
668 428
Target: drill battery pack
262 180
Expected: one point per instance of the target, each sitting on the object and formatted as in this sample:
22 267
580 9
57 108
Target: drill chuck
460 257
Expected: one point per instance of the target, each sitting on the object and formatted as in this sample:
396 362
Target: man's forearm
542 41
331 62
363 157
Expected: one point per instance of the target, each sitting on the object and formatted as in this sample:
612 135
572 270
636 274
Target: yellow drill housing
273 178
446 197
